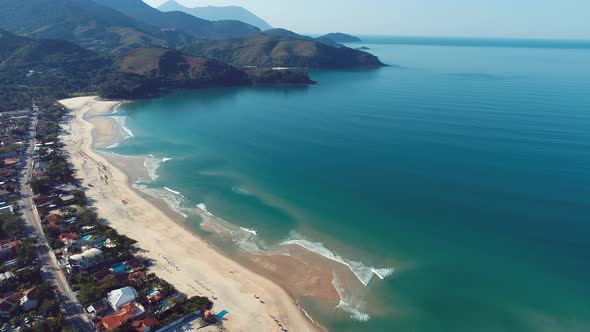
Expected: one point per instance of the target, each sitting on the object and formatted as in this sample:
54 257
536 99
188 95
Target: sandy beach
185 260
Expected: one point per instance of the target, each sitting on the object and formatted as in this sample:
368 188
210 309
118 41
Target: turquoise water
465 168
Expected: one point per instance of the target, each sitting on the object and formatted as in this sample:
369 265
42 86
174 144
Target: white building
86 259
120 297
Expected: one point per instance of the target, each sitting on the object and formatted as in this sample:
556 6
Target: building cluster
26 298
14 127
112 282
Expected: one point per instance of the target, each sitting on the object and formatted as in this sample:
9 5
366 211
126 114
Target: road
75 315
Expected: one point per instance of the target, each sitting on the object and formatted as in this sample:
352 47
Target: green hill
176 20
85 23
339 37
279 32
269 51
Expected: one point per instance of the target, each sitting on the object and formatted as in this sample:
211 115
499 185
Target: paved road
75 315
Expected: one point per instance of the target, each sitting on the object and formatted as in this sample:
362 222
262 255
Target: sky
553 19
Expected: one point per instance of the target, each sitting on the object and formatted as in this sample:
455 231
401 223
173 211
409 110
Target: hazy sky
484 18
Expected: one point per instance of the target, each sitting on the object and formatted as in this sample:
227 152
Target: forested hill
35 68
268 51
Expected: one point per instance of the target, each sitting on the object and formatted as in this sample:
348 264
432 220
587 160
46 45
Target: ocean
453 184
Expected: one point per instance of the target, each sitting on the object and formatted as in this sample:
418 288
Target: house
67 199
53 219
84 260
6 209
127 312
8 249
6 275
66 188
120 297
68 238
145 325
25 299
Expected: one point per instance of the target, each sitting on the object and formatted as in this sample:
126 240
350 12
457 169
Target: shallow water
461 176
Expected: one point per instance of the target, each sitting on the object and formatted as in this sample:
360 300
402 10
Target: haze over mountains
213 13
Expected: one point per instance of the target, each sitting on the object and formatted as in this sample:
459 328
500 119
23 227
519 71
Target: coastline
199 267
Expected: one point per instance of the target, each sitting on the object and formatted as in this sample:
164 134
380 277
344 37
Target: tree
39 186
49 308
79 198
12 226
90 293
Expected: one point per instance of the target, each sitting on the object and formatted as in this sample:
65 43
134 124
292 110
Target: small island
339 37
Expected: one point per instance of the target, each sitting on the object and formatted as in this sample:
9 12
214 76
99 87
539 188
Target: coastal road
75 316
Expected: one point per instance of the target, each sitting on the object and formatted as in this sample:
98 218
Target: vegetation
267 51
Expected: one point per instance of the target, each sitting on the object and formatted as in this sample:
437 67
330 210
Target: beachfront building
120 297
127 312
84 260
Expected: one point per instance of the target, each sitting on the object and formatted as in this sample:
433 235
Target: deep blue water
465 166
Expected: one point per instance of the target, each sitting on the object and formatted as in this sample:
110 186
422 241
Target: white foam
245 238
173 200
173 191
152 165
383 273
362 272
249 230
354 306
121 121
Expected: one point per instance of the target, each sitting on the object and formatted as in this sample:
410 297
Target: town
62 268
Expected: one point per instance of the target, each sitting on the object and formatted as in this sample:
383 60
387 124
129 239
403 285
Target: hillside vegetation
268 51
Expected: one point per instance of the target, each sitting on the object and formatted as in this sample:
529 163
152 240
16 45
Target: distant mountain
267 51
279 32
212 13
195 26
339 37
83 22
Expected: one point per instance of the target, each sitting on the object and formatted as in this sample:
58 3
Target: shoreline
159 234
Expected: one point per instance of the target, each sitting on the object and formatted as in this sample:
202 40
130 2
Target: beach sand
191 264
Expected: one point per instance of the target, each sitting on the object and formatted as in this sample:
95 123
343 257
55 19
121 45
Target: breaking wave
245 238
173 199
362 272
125 131
152 165
353 305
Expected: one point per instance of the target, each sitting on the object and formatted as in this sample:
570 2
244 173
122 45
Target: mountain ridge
215 13
268 51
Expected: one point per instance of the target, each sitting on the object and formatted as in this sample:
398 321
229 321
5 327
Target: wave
353 305
251 231
152 165
172 199
245 238
362 272
125 131
383 273
173 191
